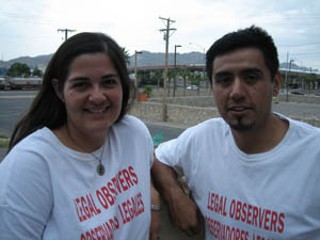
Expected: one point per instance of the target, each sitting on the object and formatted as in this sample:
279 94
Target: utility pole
135 67
165 73
288 73
286 78
175 70
66 32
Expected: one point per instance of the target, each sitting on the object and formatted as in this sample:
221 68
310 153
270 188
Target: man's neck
262 139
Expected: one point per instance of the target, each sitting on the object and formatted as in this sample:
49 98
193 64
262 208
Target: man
253 174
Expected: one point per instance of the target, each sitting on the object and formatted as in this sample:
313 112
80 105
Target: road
14 103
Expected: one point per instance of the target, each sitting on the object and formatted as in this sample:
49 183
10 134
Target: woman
78 167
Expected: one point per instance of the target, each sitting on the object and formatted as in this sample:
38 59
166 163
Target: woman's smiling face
92 95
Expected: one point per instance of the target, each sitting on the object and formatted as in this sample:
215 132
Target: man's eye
224 81
251 77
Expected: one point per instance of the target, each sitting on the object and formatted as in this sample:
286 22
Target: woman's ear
55 84
276 84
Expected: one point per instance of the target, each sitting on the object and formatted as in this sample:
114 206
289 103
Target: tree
158 75
185 74
37 72
311 80
126 55
19 70
171 75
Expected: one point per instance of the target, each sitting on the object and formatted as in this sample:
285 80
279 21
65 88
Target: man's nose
238 89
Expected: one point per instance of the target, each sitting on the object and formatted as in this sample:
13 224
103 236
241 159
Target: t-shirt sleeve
25 195
178 153
140 130
168 153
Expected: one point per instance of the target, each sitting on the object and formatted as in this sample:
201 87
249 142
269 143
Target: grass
4 141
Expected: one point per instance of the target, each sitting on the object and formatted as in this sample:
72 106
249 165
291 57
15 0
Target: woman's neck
78 141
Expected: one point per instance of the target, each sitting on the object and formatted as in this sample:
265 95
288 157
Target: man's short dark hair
254 37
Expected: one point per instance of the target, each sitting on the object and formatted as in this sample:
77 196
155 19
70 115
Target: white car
192 87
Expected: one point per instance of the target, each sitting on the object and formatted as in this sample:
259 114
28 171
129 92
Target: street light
135 67
175 70
288 73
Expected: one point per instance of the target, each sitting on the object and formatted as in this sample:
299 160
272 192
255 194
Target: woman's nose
97 95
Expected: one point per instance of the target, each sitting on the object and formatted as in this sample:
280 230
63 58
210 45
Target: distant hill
294 66
155 59
146 58
30 61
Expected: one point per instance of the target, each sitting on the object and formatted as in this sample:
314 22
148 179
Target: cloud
30 27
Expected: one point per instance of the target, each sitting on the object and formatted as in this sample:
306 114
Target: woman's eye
80 85
109 82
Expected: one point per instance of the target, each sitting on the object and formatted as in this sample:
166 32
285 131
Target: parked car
2 83
297 92
192 87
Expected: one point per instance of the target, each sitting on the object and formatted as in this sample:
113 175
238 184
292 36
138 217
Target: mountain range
145 58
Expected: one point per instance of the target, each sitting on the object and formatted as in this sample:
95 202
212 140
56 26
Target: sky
30 27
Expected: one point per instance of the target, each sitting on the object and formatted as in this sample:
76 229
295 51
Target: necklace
100 167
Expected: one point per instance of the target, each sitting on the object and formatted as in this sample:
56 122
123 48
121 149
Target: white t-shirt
271 195
49 191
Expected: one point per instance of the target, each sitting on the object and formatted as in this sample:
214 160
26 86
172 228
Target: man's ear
276 84
55 84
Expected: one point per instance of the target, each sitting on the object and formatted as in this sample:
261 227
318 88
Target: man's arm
183 211
155 214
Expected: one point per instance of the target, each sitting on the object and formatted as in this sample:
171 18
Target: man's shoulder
210 124
304 133
207 127
303 126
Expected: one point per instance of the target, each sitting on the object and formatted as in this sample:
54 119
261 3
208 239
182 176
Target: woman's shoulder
131 118
131 122
31 153
35 144
40 138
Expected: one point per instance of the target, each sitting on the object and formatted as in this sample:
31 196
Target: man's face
243 88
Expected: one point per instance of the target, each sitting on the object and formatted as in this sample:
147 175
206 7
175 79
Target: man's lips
238 109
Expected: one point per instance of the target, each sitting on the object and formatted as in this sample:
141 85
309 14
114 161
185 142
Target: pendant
100 169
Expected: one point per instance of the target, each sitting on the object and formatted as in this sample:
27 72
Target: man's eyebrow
222 74
252 70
